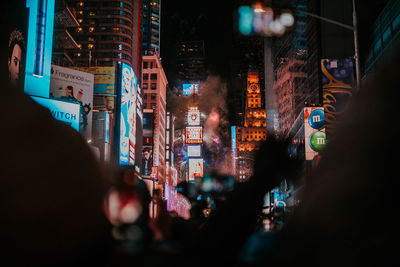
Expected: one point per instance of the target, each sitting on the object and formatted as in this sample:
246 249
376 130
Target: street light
353 28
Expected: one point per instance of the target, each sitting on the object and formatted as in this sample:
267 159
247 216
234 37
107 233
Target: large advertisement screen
314 131
104 85
233 140
195 168
190 88
127 115
76 87
62 111
194 151
39 47
337 88
194 135
193 118
14 23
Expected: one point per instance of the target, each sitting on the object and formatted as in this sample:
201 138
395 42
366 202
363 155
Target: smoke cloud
212 102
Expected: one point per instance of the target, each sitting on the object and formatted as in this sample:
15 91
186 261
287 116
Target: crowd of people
57 203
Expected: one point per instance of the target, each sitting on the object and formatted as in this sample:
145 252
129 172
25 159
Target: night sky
213 22
206 20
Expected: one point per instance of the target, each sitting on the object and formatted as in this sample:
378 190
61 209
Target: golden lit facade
253 132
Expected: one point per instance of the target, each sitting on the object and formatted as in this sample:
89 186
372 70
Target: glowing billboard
314 131
194 135
77 87
39 47
127 115
195 168
190 88
193 117
233 140
337 88
62 111
194 151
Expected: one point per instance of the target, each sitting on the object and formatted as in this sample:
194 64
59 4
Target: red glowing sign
194 135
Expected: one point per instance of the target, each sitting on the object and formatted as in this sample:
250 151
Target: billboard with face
190 88
127 115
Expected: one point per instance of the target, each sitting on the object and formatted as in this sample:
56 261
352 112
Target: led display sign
193 118
39 47
195 168
63 111
194 134
127 115
190 88
194 151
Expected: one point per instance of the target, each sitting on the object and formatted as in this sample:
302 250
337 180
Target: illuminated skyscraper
154 83
151 26
109 32
253 132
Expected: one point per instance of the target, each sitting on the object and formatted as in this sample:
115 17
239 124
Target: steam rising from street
212 103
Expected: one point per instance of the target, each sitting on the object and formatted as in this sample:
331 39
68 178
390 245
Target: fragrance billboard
74 86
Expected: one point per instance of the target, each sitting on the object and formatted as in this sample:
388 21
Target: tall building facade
63 41
254 131
296 66
190 60
151 26
109 32
154 83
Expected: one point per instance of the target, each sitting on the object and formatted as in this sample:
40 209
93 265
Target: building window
145 76
145 85
153 96
153 76
145 65
153 86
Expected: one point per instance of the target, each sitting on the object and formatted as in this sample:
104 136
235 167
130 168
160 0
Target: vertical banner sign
127 116
233 137
314 132
39 47
337 88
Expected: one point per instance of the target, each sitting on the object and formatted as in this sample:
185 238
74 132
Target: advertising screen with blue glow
63 111
189 89
127 115
233 138
39 47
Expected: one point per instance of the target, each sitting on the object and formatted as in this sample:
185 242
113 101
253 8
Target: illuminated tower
253 132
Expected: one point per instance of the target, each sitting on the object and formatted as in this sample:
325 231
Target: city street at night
199 133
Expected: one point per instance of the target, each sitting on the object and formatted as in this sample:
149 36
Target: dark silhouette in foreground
52 191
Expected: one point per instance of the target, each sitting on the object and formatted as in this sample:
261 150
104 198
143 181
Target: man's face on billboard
14 64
